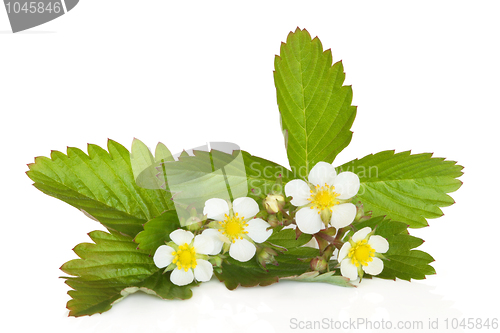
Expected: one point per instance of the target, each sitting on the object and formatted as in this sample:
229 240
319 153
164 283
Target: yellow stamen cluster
323 197
233 227
361 253
185 257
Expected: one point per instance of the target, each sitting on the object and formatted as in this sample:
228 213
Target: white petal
344 250
347 185
322 173
180 237
245 207
257 230
203 270
361 234
348 270
180 277
163 256
343 215
299 191
308 220
216 238
204 244
379 243
216 209
374 267
242 250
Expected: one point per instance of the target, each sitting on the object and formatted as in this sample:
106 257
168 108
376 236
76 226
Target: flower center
323 197
185 257
233 227
361 253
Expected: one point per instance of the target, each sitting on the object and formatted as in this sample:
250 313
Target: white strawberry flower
322 201
237 226
360 254
187 255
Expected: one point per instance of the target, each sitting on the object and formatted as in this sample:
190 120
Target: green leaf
407 188
293 262
144 164
89 297
216 174
286 238
140 157
411 265
101 184
316 111
157 231
327 277
111 269
162 153
403 261
262 174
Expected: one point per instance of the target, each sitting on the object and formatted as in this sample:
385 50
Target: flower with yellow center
360 254
233 227
322 201
186 256
236 226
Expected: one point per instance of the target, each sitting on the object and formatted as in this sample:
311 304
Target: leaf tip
53 154
36 159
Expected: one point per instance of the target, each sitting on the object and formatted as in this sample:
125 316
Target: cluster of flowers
322 201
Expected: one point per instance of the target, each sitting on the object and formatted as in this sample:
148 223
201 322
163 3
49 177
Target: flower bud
193 223
273 221
360 213
190 219
216 261
319 264
274 203
266 256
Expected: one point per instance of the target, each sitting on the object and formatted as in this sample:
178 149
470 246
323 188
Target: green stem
337 242
329 239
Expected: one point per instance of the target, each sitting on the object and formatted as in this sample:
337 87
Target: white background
425 76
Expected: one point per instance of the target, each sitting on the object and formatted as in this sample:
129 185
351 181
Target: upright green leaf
146 167
403 261
162 153
111 269
140 157
316 111
407 188
101 184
